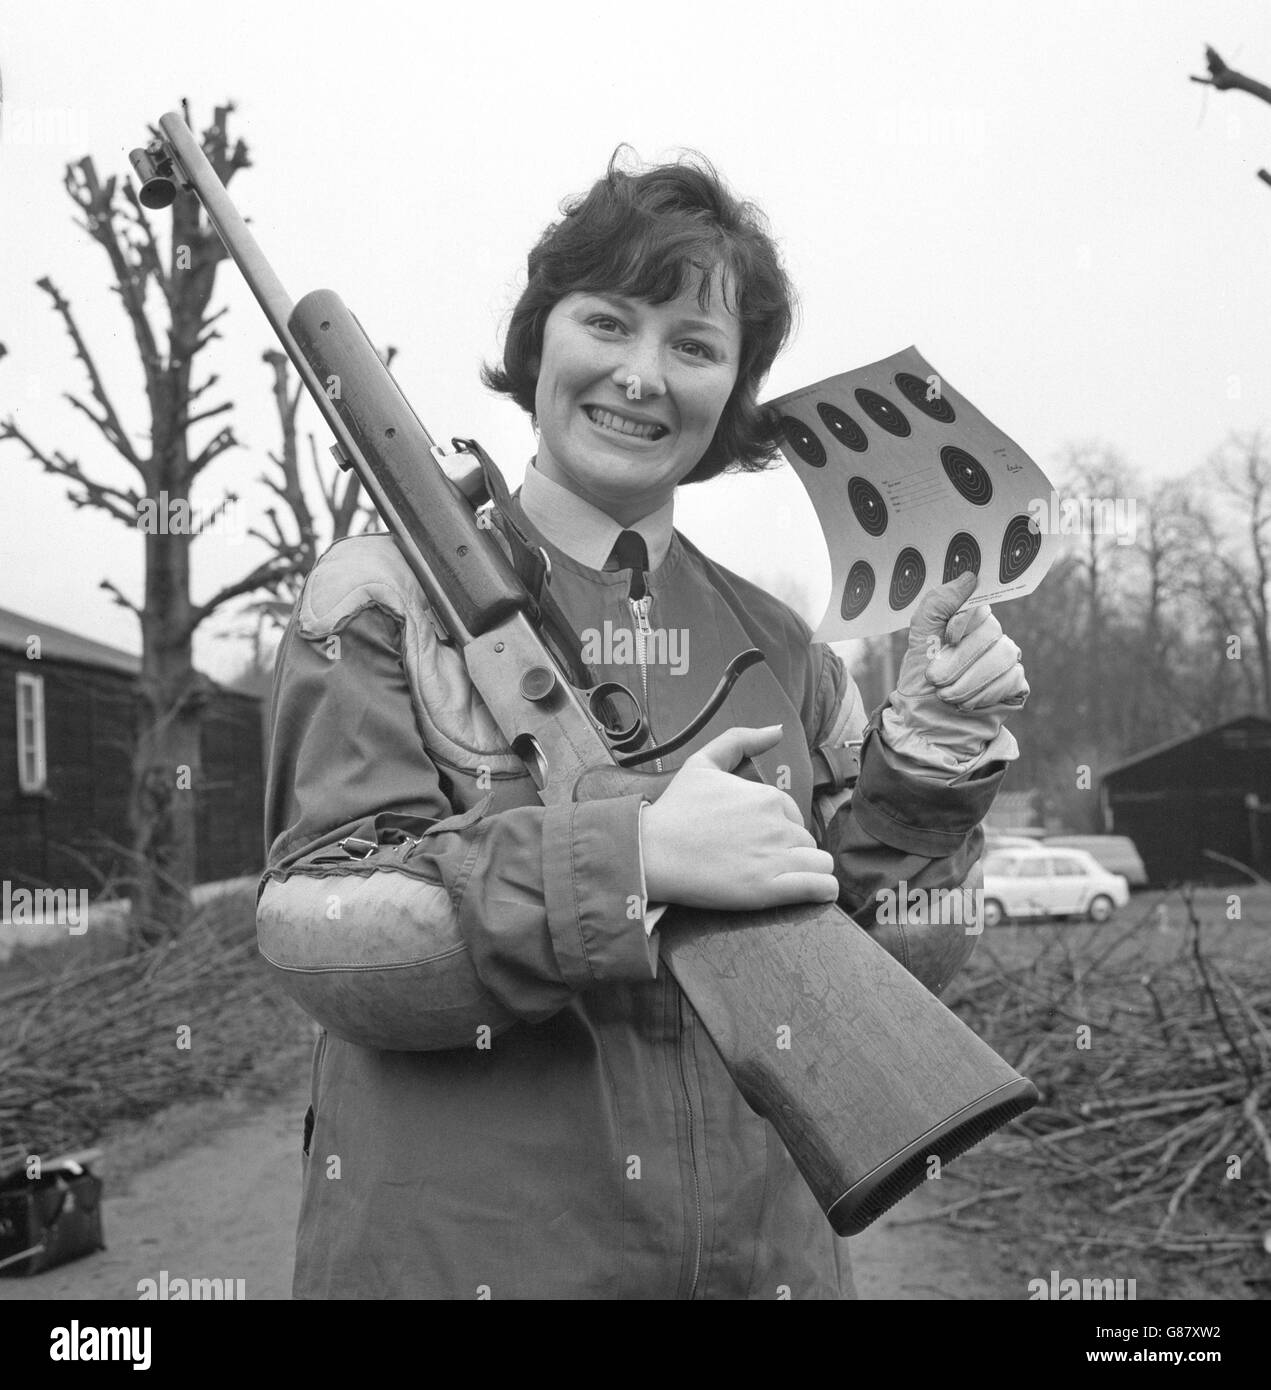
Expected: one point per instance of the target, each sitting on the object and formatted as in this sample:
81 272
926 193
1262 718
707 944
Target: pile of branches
99 1043
1154 1067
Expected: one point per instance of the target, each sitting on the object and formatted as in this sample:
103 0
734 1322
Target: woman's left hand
960 677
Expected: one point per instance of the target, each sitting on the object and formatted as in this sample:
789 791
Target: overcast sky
1034 194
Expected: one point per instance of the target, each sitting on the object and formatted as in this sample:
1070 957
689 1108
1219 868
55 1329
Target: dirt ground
211 1189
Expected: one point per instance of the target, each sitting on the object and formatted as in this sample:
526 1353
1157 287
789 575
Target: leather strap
836 765
533 568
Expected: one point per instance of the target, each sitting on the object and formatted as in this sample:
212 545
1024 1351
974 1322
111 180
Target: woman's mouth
620 424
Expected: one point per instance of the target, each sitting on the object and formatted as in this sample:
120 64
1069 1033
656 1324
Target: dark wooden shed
1205 791
68 718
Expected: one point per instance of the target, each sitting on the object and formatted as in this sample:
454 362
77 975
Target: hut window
32 764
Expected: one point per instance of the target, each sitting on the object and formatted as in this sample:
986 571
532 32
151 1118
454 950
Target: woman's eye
604 322
702 349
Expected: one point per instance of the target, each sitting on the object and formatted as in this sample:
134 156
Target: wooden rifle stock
875 1076
859 1068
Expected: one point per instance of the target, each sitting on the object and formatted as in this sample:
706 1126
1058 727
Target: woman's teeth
606 419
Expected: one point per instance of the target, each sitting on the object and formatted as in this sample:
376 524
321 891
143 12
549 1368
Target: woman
513 1101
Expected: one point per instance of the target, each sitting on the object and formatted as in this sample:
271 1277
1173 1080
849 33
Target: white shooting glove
960 677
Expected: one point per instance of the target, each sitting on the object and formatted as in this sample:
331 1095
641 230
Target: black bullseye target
1020 546
804 443
967 474
881 411
962 555
867 502
915 390
906 578
841 425
858 591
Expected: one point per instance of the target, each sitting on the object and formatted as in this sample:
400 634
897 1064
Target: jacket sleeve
393 921
899 831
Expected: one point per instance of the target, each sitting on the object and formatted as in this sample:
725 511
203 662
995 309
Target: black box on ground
49 1220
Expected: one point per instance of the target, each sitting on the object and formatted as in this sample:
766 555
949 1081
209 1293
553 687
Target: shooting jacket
509 1098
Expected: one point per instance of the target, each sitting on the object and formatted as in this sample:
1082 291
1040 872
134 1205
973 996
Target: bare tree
346 512
296 536
1094 476
1168 538
1238 553
166 768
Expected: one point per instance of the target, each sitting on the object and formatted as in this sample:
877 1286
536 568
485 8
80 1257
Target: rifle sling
533 569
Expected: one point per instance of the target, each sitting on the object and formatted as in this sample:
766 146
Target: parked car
1045 882
1117 854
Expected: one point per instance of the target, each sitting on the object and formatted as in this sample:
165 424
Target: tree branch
328 493
267 575
278 542
148 248
1225 79
207 333
97 202
109 423
196 391
216 445
187 420
101 495
120 598
290 490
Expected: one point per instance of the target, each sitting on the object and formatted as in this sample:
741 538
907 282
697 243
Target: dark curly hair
642 235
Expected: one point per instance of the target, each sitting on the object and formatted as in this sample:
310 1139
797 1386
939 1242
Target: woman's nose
638 371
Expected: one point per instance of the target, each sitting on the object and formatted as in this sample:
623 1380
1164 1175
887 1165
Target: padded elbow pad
376 959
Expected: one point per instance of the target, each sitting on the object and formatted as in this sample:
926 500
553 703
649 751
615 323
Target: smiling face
629 394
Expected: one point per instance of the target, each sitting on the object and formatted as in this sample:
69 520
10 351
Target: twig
959 1205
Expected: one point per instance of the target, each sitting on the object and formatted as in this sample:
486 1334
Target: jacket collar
584 532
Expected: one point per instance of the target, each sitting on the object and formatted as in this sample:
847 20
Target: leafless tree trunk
1167 537
1242 472
1095 472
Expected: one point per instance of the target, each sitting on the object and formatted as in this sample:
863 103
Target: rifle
879 1077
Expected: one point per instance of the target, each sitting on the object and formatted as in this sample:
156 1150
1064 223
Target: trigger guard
624 737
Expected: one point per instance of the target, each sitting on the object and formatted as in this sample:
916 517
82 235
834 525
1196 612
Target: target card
913 486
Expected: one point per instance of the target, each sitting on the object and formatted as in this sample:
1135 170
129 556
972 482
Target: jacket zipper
640 612
692 1147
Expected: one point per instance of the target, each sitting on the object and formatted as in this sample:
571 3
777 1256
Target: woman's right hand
718 841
